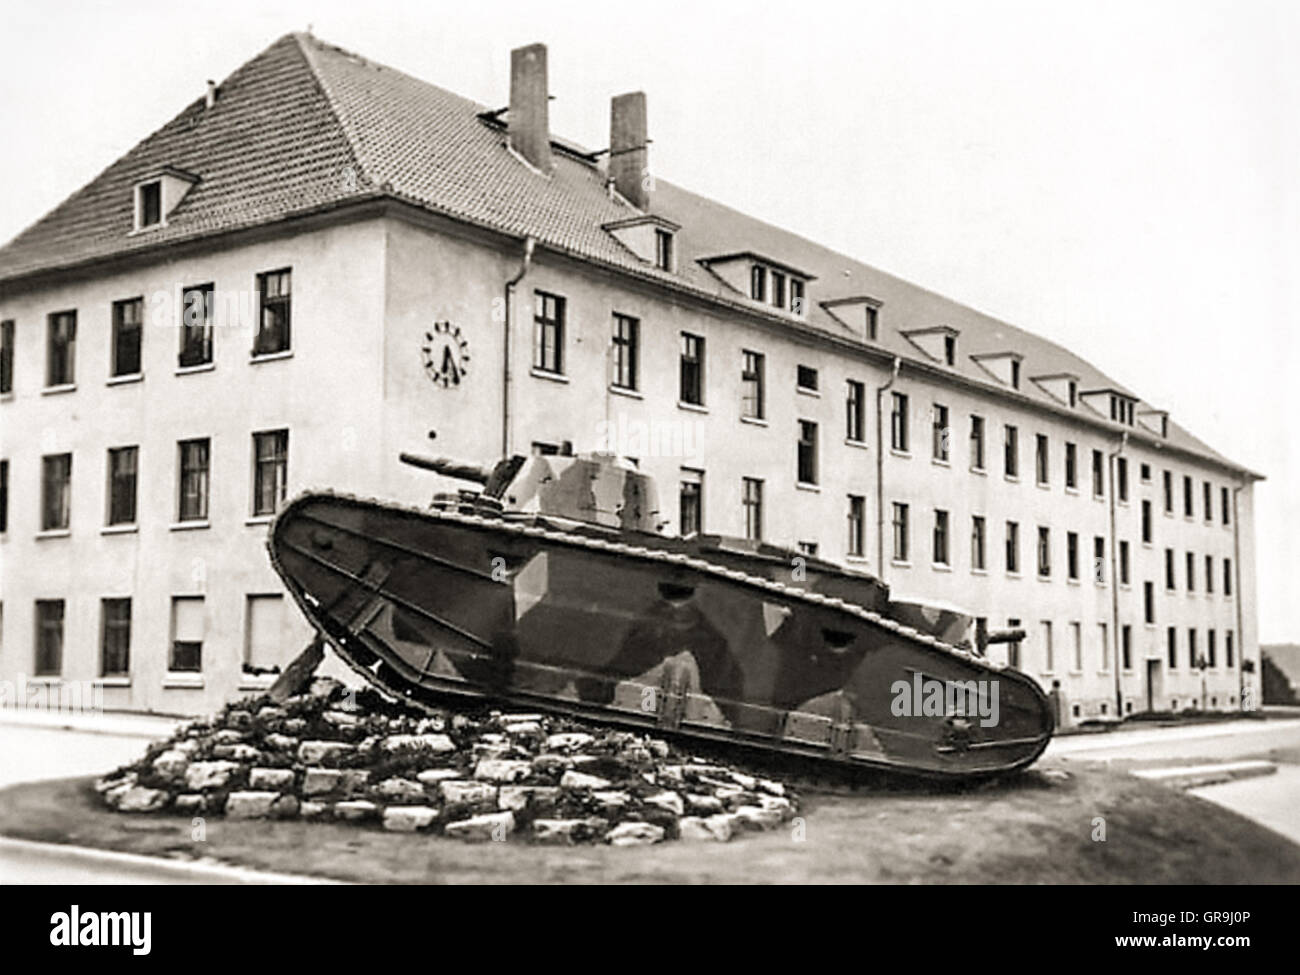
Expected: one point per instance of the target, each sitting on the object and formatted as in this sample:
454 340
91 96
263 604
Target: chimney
212 93
528 128
628 155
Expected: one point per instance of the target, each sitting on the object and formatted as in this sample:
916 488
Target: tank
552 584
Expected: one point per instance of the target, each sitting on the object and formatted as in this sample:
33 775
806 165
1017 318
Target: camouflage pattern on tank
553 588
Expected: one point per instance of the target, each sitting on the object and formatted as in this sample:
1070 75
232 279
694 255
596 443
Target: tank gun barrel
447 467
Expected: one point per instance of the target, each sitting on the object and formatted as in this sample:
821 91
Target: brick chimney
628 155
528 127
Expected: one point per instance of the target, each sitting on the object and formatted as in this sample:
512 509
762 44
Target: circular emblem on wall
446 355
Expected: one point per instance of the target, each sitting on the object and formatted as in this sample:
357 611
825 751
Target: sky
1120 177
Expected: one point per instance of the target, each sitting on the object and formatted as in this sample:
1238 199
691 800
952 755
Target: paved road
1272 800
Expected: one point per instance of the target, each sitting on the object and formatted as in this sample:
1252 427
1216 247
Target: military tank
552 585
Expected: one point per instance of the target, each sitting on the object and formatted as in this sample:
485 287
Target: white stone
568 741
746 782
556 831
250 805
516 797
319 752
136 798
611 800
316 781
171 764
717 829
479 829
778 804
581 780
275 779
399 788
774 788
355 809
757 817
634 834
703 804
428 742
209 775
407 819
432 776
670 801
461 792
501 770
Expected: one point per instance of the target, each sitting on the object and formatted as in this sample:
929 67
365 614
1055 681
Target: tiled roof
306 126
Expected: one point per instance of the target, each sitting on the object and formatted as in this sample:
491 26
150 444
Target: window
6 356
4 496
778 289
1170 583
150 204
56 492
1121 477
1013 649
1011 452
1187 496
548 332
1015 373
1126 646
900 532
855 407
197 307
1098 479
1099 559
1209 573
1072 555
796 296
128 318
1207 495
1013 546
122 477
939 447
192 503
49 637
1168 480
187 635
940 537
1146 522
1192 659
753 503
873 321
627 342
1144 472
61 349
807 548
1171 647
270 470
1210 654
758 282
114 637
977 443
1191 572
857 525
273 325
1149 602
977 542
1076 647
1049 651
690 502
1044 552
751 386
1227 648
1040 458
264 637
807 454
1227 575
950 349
898 423
1103 634
692 372
1123 563
1071 466
663 249
806 379
1074 392
1223 500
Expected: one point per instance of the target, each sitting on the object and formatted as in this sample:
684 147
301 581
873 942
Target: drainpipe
529 244
880 469
1114 580
1236 598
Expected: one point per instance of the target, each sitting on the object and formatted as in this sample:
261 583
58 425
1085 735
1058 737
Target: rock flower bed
474 774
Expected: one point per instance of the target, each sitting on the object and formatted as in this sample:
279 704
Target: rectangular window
1123 563
6 356
1227 648
1044 552
1191 572
1076 647
1126 646
1207 501
548 332
758 282
806 379
1227 576
1209 573
807 548
873 321
1168 486
1098 559
1072 555
115 637
1013 649
1171 647
1170 583
752 397
753 504
1013 546
939 424
1192 659
940 537
977 443
627 341
270 470
692 371
950 349
264 637
150 203
807 453
977 542
49 638
122 479
1144 472
128 321
1146 522
1071 466
796 296
1049 651
690 502
1011 452
663 250
900 532
1210 649
1041 458
1121 477
1103 635
56 492
1148 602
197 306
898 423
61 349
1187 496
4 496
1098 478
857 525
855 408
188 628
778 289
1223 503
192 489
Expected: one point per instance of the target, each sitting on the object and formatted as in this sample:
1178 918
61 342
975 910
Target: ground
1037 827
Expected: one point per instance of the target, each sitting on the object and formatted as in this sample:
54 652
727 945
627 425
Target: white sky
1122 177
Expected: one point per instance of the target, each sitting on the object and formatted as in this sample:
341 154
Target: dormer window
663 249
796 296
950 349
1121 410
860 314
762 280
148 204
758 282
778 289
650 238
1015 373
873 322
939 342
158 194
1002 366
1074 392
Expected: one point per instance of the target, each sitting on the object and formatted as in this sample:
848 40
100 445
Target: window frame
280 307
549 312
690 389
274 464
626 343
202 481
197 353
61 349
118 505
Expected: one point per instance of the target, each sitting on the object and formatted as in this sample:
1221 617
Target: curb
123 725
1194 776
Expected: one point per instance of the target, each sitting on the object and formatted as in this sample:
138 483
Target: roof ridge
304 41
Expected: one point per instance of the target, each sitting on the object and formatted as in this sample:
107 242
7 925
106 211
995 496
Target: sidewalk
119 724
1132 737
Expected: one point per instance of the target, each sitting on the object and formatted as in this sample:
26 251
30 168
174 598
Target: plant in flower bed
477 774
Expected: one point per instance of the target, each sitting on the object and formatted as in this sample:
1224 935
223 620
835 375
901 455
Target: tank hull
637 631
